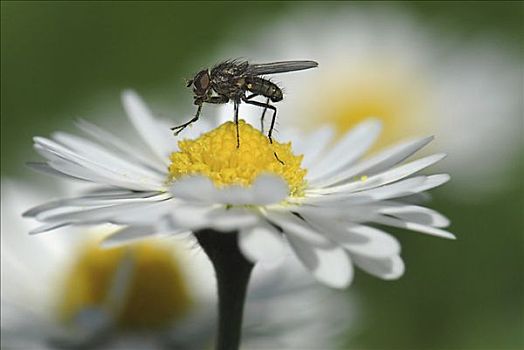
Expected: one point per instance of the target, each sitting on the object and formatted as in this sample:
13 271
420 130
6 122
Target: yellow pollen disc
215 155
155 293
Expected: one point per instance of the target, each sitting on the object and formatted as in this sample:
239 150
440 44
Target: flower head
324 204
66 291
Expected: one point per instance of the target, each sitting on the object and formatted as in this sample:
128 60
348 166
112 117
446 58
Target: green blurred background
61 60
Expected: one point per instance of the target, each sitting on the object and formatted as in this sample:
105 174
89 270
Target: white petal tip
450 236
398 270
339 284
441 156
440 178
132 101
269 189
440 233
40 229
262 244
129 94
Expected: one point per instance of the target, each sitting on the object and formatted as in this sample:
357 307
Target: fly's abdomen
264 87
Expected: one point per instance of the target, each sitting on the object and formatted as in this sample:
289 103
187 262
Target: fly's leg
263 112
199 101
236 103
266 106
178 129
262 119
273 119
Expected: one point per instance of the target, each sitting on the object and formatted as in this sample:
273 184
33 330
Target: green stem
232 272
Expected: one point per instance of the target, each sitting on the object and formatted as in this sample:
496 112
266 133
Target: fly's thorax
264 87
225 86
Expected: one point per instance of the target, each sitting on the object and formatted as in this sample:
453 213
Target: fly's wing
279 67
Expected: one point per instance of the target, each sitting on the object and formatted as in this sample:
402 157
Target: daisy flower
323 198
381 62
64 291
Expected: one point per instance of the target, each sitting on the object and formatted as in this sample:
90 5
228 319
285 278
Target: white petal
229 219
344 211
353 213
133 233
45 168
224 116
130 213
159 138
69 167
406 187
386 177
48 227
310 145
233 195
262 243
192 216
379 244
350 148
358 239
398 189
144 213
385 220
380 162
97 200
432 181
330 265
110 140
194 130
269 189
90 150
316 144
366 212
387 268
294 226
266 189
74 164
194 188
72 170
403 188
416 214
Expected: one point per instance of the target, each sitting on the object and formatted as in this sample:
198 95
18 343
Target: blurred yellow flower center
215 154
395 94
152 293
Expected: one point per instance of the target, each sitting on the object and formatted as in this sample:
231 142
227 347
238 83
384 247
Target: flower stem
232 272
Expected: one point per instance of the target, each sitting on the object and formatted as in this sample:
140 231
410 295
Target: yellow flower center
215 154
152 294
394 93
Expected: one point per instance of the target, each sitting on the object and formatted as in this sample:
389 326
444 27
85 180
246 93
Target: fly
239 81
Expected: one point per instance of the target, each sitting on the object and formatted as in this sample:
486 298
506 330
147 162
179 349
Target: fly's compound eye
201 83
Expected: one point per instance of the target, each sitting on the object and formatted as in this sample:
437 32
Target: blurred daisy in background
323 201
65 291
380 62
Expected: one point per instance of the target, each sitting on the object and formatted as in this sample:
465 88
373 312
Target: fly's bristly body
239 81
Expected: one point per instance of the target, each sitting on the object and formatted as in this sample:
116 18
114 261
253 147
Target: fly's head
201 85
